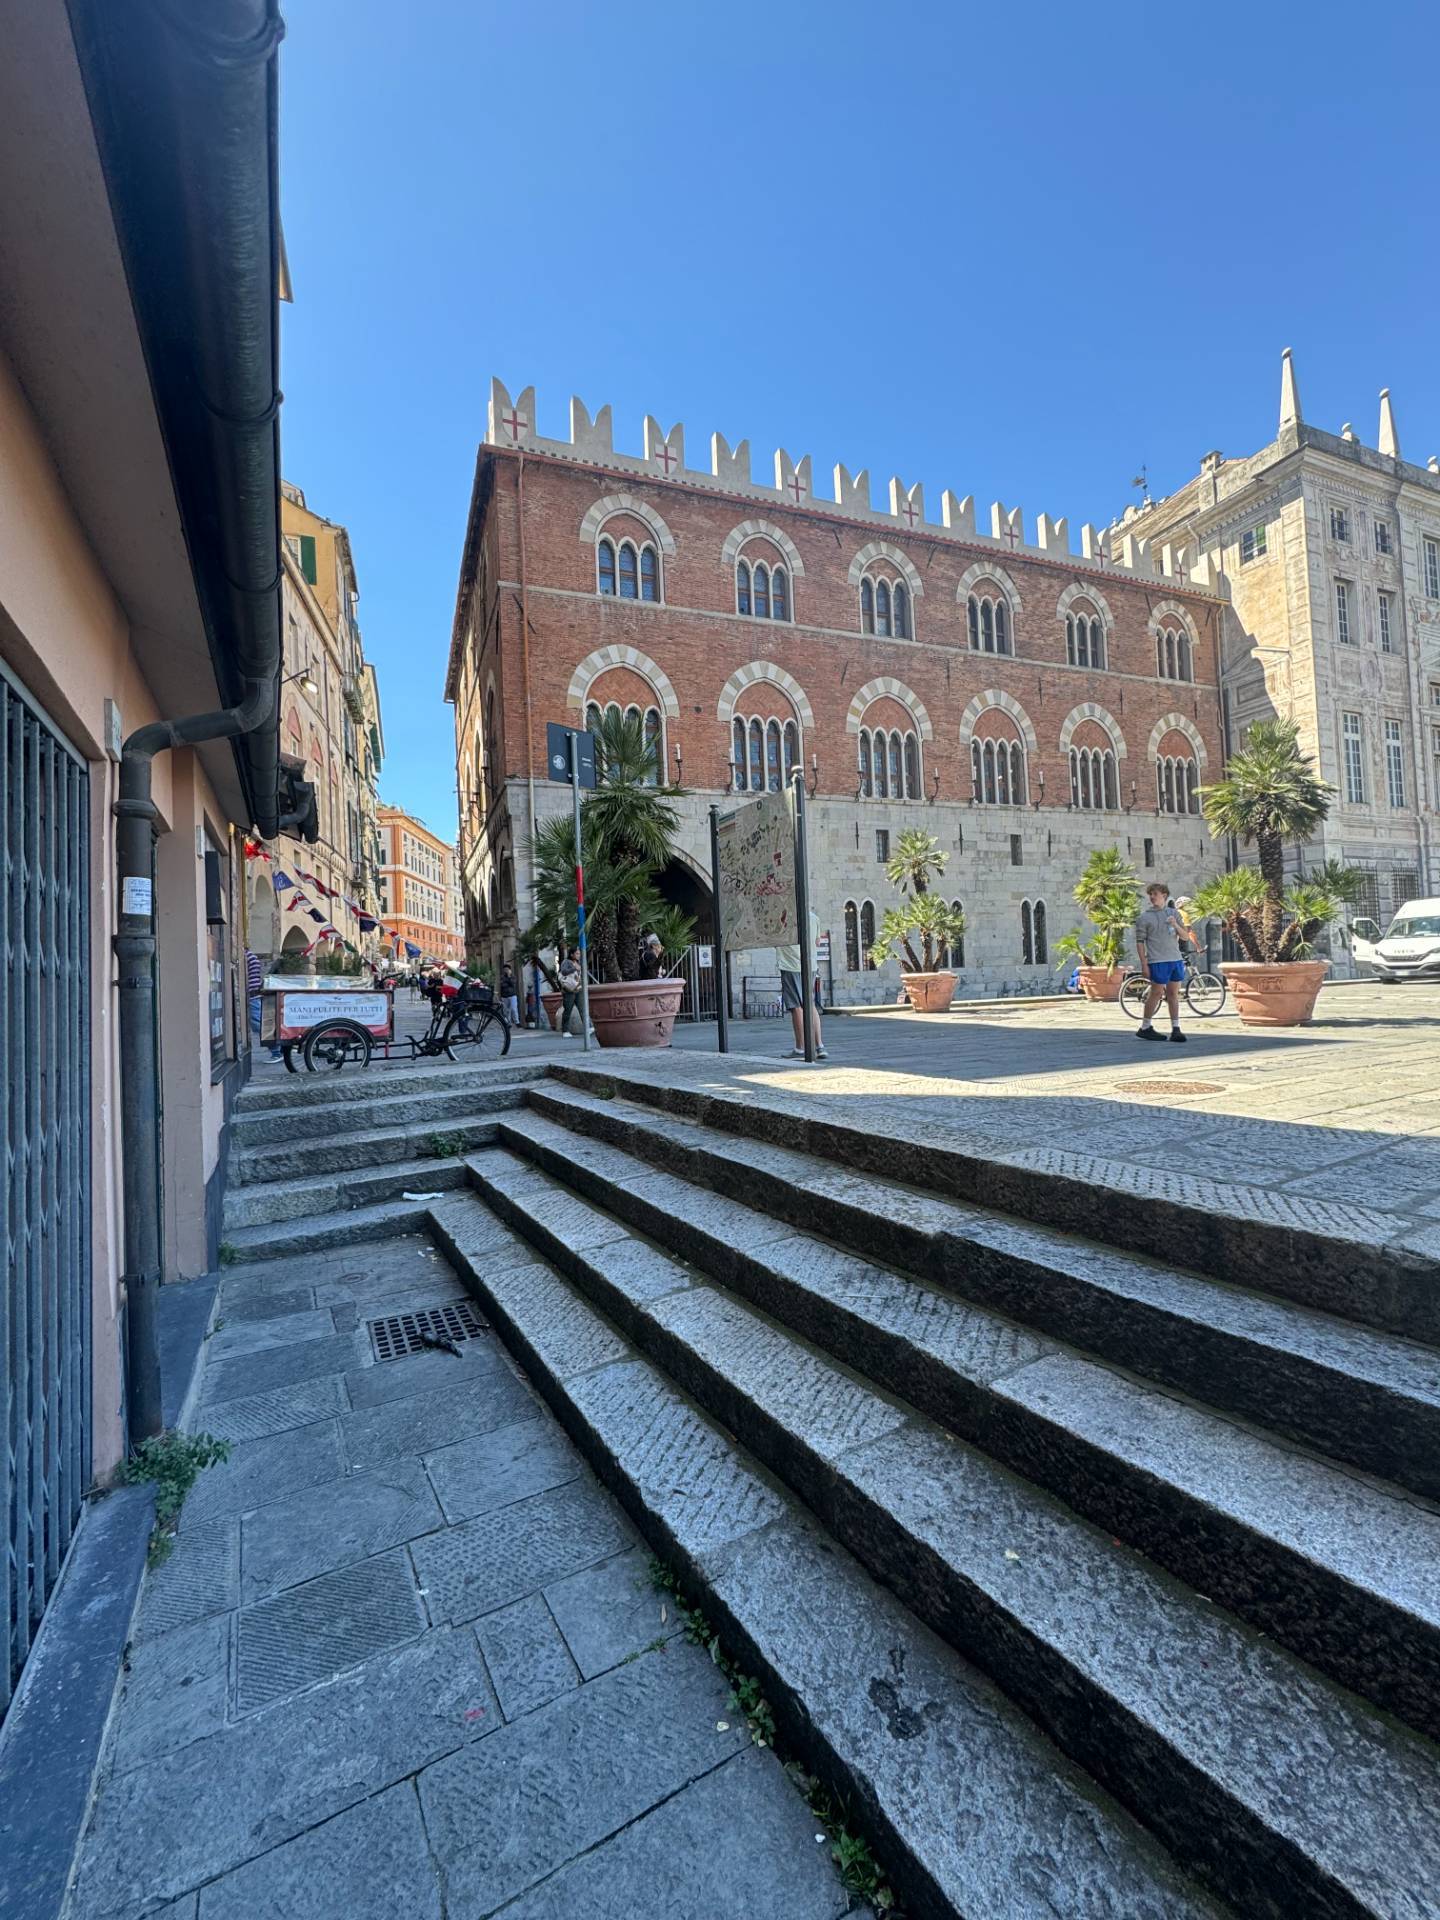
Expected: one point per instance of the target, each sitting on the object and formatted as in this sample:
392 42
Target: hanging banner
756 873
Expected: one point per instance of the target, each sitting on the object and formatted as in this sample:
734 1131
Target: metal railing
44 1164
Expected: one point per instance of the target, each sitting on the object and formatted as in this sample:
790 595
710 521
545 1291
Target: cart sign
299 1011
557 752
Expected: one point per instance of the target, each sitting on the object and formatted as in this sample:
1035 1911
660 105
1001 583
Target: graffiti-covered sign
756 873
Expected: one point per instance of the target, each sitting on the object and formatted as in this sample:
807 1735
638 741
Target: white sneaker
796 1053
565 1034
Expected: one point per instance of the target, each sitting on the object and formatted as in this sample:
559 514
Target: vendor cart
295 1009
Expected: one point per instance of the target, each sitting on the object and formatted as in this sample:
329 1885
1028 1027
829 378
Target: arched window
762 593
988 618
655 740
737 755
867 607
998 775
605 561
882 607
1027 935
912 767
792 749
779 595
881 744
885 608
772 756
897 768
742 588
867 936
629 572
867 788
1042 945
1173 659
852 937
592 717
1093 783
1177 784
902 612
1084 640
757 756
649 574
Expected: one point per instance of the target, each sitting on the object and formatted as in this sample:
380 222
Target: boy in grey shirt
1157 943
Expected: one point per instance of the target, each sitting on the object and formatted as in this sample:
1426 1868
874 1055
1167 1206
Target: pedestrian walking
792 997
1158 933
254 993
569 988
509 997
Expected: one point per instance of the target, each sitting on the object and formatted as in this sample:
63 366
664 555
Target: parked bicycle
466 1023
1205 992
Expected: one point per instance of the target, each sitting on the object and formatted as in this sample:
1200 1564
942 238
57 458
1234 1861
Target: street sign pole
573 749
802 914
721 973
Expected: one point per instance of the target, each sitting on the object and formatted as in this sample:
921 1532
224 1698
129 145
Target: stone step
252 1206
377 1083
1319 1253
281 1239
1368 1398
398 1103
1343 1570
348 1152
1285 1793
974 1813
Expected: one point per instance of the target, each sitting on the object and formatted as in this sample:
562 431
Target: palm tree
1270 793
633 819
918 856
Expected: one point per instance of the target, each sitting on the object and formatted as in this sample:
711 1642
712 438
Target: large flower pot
1101 983
929 992
1282 995
635 1013
550 1007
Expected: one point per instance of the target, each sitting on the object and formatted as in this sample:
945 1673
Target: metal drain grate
1168 1086
401 1333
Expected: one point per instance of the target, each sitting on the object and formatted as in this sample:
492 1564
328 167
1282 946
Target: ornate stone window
1034 939
653 724
987 614
627 572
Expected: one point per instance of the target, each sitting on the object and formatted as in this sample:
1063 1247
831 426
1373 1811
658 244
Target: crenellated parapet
511 424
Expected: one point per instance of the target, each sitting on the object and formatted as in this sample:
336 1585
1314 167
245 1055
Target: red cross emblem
514 421
796 486
666 458
911 516
1010 534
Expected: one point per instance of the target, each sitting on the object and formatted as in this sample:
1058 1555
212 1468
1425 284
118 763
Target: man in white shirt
793 996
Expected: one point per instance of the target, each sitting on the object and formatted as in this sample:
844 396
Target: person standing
509 998
1157 945
792 996
254 986
569 989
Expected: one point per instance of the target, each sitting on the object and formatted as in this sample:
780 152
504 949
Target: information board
756 877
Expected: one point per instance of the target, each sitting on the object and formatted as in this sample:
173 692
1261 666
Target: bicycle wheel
334 1044
489 1032
1133 995
1205 993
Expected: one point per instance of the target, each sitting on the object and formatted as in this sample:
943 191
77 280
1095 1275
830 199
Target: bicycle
1205 993
470 1019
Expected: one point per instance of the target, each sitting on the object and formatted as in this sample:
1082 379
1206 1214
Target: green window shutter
307 557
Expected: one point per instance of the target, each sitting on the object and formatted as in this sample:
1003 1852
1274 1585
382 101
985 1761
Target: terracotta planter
929 992
1101 983
1283 995
550 1006
636 1013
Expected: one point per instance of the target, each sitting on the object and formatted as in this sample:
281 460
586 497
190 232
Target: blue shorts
1167 973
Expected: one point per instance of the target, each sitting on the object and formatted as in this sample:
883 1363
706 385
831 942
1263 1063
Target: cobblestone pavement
405 1659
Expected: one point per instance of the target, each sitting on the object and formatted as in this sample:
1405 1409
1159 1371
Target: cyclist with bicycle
1158 933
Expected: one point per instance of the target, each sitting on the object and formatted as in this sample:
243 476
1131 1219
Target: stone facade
418 886
1331 553
592 577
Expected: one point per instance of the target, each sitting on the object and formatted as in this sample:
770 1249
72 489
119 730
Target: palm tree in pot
922 928
1271 793
1107 893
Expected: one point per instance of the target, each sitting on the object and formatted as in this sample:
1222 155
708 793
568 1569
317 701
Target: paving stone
262 1470
610 1611
474 1397
334 1524
369 1863
316 1631
528 1659
278 1412
738 1844
251 1373
158 1831
250 1335
388 1266
495 1469
378 1383
564 1778
268 1303
174 1690
200 1577
566 1335
478 1566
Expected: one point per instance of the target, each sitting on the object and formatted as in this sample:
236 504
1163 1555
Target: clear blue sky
1016 251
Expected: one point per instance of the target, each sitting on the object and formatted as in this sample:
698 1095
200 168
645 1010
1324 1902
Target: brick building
1023 703
417 885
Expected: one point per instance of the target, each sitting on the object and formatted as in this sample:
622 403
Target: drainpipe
139 1061
525 664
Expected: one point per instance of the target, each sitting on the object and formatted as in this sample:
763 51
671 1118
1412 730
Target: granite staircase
1099 1584
319 1160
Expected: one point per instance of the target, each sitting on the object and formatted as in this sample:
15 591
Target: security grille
44 1164
401 1333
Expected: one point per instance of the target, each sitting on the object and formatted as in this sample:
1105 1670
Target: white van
1409 949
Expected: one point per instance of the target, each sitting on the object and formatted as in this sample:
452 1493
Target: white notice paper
136 895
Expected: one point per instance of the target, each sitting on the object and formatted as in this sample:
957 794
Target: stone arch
762 530
1102 716
764 670
603 658
1085 590
1167 610
897 690
1177 723
264 916
626 503
997 697
903 565
988 570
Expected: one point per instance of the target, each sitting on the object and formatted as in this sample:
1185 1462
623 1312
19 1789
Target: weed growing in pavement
229 1253
445 1146
601 1089
174 1461
859 1871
